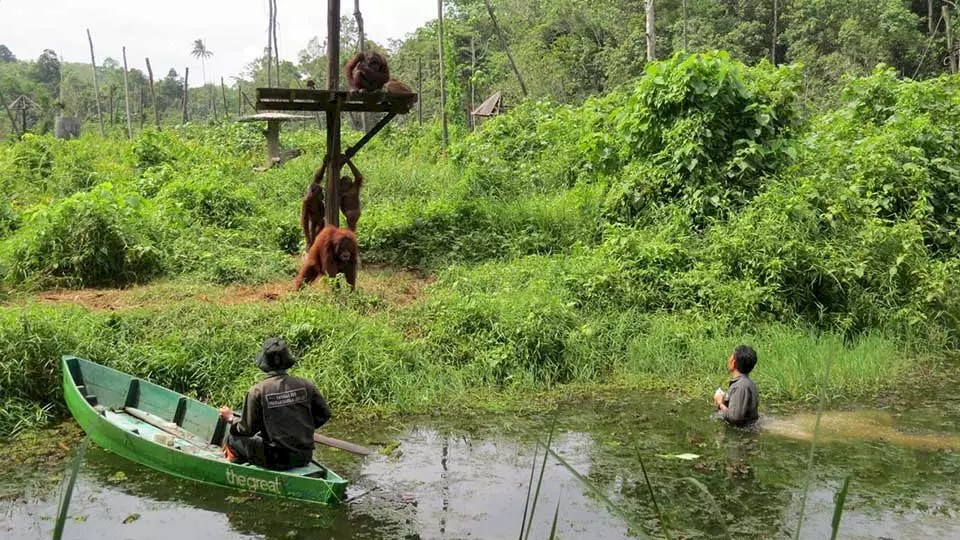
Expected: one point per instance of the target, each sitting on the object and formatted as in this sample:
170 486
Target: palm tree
202 52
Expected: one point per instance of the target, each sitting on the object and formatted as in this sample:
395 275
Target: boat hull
126 436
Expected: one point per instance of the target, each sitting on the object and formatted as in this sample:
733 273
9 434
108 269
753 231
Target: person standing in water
738 406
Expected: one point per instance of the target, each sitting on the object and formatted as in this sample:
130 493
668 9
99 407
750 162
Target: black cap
275 356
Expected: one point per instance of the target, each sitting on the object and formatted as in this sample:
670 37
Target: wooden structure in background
334 102
273 120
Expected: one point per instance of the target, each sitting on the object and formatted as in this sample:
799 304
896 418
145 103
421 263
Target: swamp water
468 477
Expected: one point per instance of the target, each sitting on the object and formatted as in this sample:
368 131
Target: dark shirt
285 410
741 401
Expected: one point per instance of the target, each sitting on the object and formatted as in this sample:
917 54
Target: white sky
234 30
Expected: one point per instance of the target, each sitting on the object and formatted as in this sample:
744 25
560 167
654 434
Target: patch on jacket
283 399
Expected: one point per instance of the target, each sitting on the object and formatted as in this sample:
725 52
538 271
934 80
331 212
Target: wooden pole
685 42
110 103
143 106
126 95
473 87
930 16
276 46
443 82
223 91
332 210
96 87
420 90
363 48
773 44
270 44
651 32
239 99
186 96
950 48
153 96
503 43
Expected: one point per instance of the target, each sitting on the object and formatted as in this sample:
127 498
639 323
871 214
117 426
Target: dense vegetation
633 239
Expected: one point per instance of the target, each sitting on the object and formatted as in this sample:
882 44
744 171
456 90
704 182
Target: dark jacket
741 401
284 410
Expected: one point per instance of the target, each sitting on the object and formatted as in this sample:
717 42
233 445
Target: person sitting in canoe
279 416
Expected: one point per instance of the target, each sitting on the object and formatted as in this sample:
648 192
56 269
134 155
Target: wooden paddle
342 445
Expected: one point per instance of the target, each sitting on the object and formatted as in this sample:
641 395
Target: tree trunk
685 43
443 81
276 47
506 48
270 45
126 96
420 90
143 106
96 86
473 87
110 103
950 47
223 91
773 43
930 17
153 96
651 32
186 96
363 47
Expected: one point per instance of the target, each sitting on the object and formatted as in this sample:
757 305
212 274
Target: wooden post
143 106
126 95
276 47
270 44
273 140
773 44
420 90
503 43
473 87
110 103
363 47
651 32
685 42
223 91
186 96
929 16
153 96
332 210
443 81
96 87
950 48
239 99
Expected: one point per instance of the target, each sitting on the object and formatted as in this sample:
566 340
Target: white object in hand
720 392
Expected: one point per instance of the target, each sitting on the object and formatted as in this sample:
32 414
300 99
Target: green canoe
177 435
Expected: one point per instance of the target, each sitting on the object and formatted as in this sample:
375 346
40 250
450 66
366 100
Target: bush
210 197
104 237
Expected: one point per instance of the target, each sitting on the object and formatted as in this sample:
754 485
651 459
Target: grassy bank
632 240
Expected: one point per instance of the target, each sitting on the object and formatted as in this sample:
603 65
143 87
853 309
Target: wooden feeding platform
305 99
273 120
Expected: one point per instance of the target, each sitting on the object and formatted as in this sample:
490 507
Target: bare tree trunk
153 96
773 43
651 32
930 16
685 43
506 48
445 139
186 96
270 45
473 87
276 47
96 86
950 47
126 95
363 47
332 216
223 91
420 90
